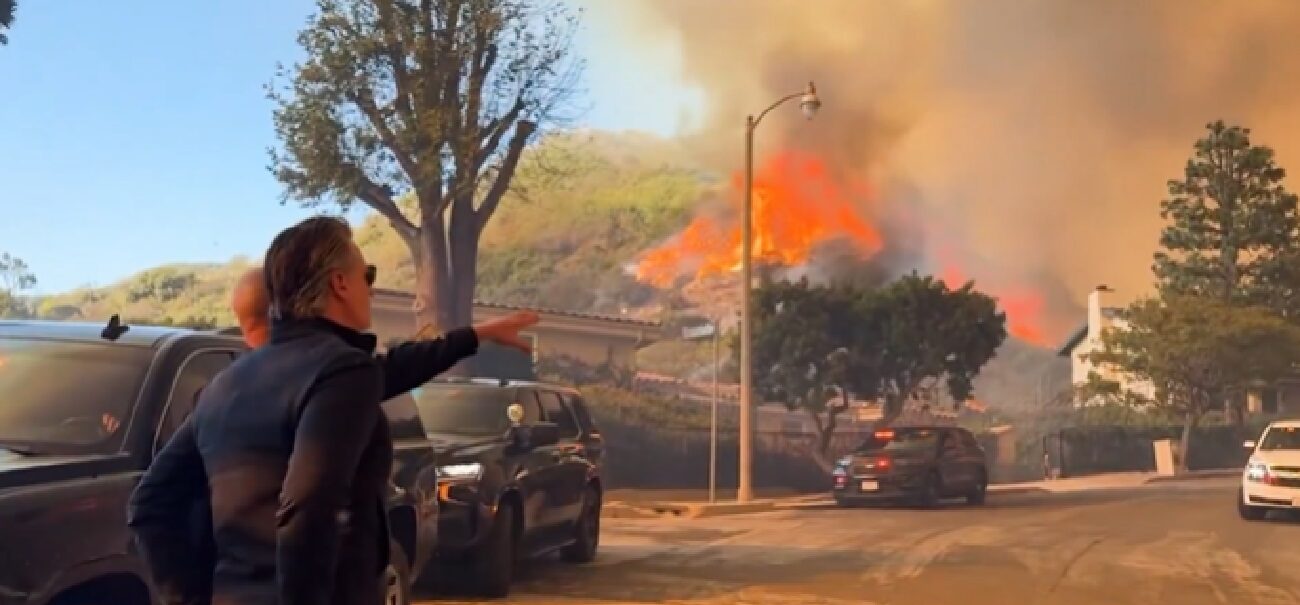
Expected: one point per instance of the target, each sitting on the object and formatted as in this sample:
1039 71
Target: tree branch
381 200
364 99
481 60
428 51
393 48
523 130
494 131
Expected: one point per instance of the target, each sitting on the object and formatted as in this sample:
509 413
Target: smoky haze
1030 141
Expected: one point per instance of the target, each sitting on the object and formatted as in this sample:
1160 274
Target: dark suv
84 411
917 464
519 475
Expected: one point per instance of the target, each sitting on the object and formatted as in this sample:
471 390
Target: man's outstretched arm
412 364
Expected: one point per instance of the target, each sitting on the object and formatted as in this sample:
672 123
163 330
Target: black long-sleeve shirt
337 437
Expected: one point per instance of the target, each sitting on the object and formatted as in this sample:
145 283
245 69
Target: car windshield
42 411
901 440
474 411
1281 438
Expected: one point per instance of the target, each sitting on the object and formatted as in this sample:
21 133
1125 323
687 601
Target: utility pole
713 424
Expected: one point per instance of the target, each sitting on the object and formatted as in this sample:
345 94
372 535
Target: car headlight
1256 471
467 470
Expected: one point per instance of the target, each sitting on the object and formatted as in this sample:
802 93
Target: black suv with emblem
83 410
917 464
519 468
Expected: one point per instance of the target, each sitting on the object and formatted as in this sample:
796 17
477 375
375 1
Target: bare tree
435 98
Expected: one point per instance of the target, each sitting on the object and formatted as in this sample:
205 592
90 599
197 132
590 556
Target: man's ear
338 285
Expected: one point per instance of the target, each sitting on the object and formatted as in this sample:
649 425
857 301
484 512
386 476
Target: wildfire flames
1023 307
797 207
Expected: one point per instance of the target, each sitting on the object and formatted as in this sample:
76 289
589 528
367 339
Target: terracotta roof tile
574 314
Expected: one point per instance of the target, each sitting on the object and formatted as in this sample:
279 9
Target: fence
1103 449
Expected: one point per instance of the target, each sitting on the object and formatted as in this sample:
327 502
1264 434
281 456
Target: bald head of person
251 304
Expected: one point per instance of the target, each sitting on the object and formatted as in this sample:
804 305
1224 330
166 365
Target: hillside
182 294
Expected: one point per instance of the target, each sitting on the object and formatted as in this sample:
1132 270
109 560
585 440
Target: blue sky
129 140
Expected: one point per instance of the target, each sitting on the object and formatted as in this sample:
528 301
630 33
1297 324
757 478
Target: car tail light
884 463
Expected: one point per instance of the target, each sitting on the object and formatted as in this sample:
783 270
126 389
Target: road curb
700 511
1016 491
651 510
1197 475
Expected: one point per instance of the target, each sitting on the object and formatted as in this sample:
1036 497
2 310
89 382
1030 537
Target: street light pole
745 487
810 104
713 424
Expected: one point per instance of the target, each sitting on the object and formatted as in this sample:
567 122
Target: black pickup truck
82 412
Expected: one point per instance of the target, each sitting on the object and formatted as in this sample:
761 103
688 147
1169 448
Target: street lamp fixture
809 102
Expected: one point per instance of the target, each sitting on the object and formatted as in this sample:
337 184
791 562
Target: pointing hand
505 330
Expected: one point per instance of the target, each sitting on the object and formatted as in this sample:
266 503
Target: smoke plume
1029 140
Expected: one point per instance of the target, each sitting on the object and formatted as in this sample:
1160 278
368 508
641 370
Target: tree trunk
464 265
464 270
434 304
891 410
820 451
1184 445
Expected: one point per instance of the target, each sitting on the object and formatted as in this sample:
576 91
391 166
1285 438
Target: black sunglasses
371 272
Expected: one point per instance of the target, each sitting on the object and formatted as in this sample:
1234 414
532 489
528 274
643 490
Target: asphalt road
1171 543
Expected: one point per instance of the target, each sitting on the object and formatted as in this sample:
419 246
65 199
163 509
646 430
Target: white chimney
1096 302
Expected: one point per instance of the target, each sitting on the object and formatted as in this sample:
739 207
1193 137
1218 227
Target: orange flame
1024 308
797 205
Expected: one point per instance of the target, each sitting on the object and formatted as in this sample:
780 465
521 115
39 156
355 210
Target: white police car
1271 480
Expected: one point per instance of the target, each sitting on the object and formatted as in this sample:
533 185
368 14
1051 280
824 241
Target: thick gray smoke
1028 141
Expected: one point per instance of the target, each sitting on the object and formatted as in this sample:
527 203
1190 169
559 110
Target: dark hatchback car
519 467
81 417
921 465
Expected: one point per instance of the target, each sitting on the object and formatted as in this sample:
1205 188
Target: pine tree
1232 225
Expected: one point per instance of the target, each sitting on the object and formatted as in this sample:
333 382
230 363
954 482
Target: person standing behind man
292 441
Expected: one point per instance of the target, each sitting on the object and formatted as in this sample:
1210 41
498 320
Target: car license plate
870 486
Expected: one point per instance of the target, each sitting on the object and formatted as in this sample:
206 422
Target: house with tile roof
589 338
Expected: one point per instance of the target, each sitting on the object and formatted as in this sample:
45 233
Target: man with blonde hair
290 439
